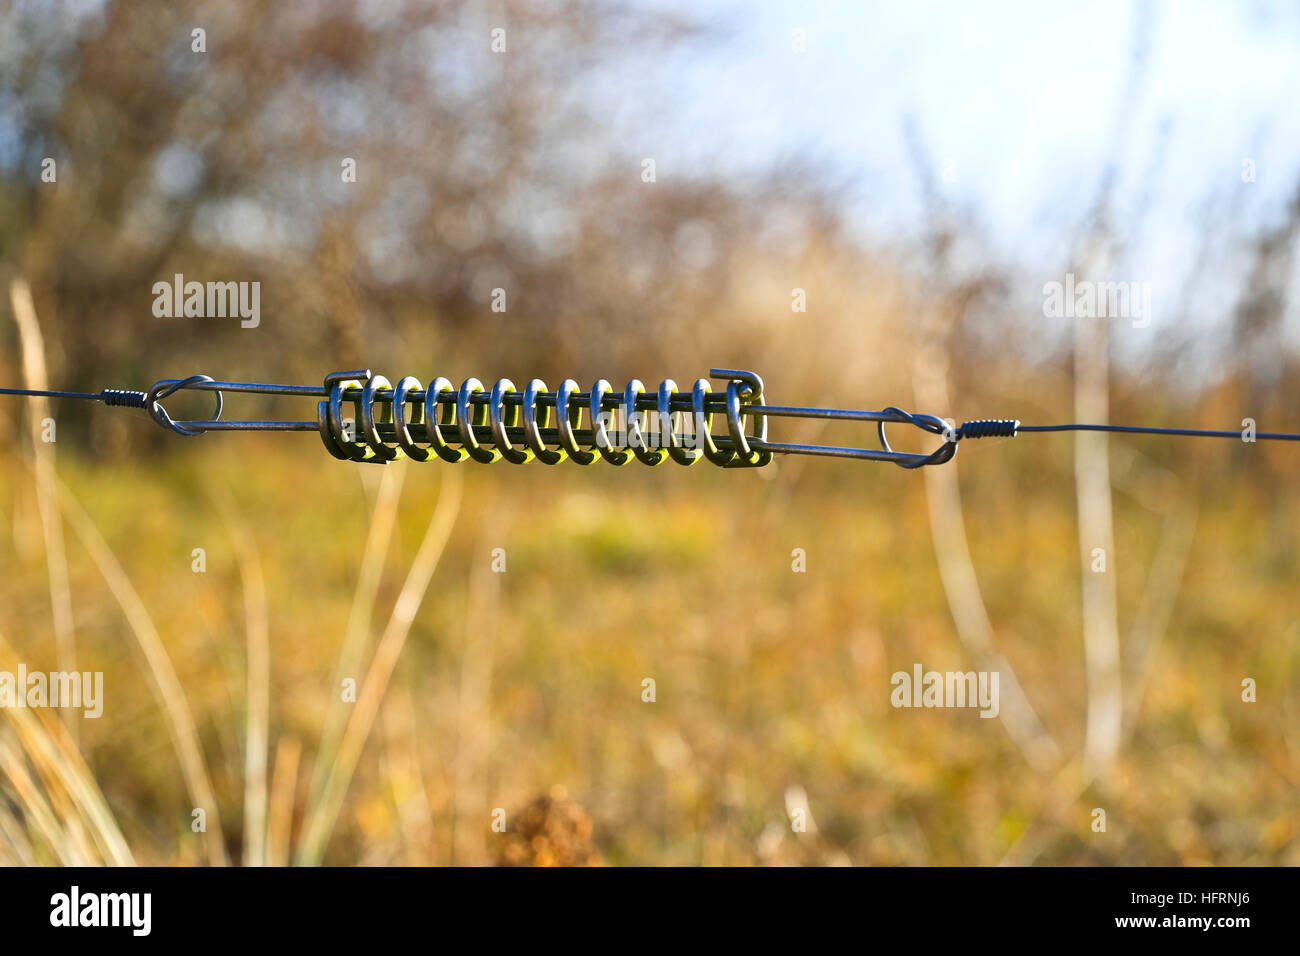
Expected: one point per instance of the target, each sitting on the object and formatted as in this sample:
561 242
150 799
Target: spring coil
456 424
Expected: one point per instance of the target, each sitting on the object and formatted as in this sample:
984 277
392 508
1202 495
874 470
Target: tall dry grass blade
32 347
166 685
284 787
321 816
52 746
357 633
37 808
258 677
957 571
1100 608
72 831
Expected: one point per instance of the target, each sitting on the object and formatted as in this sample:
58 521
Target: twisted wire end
124 398
989 428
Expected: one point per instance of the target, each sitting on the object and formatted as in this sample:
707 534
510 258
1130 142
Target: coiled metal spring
470 422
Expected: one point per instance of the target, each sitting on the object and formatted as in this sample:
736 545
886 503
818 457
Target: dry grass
32 347
767 679
484 691
59 815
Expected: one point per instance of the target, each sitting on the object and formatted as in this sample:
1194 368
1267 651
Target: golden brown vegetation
772 686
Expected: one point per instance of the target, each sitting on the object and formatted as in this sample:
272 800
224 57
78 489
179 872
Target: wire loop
433 423
532 432
501 417
369 426
928 423
670 424
567 420
401 403
744 386
160 390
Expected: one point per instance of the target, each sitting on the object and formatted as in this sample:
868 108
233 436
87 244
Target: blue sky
1023 103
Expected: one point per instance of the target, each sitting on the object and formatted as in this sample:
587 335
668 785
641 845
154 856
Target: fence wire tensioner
453 424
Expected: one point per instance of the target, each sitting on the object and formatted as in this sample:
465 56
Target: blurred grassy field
481 175
772 686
